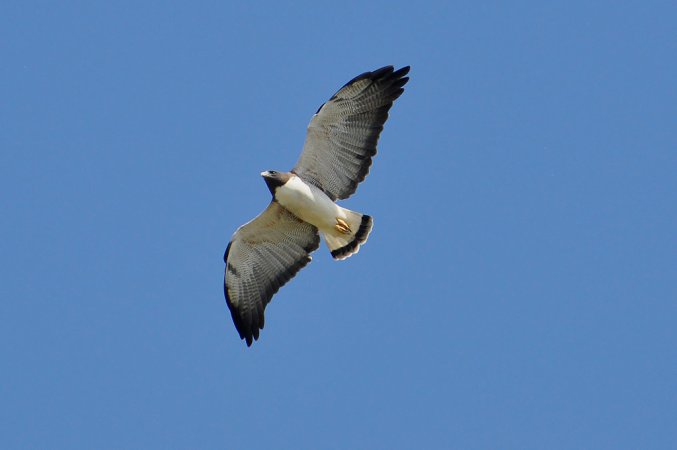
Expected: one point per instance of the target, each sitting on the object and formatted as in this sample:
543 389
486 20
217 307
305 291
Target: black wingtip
382 73
397 78
401 72
373 75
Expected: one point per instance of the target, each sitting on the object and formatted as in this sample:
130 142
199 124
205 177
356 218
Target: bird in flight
341 139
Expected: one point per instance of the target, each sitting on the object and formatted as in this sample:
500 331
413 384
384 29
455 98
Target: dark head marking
275 179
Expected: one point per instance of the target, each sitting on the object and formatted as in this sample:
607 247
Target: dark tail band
360 237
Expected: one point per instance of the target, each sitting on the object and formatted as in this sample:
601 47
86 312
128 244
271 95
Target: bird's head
275 179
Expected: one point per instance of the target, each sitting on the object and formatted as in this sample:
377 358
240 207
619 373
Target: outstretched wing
343 133
261 257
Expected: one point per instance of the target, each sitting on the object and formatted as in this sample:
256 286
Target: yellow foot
342 226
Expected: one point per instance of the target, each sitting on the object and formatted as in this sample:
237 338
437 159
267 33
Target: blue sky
518 290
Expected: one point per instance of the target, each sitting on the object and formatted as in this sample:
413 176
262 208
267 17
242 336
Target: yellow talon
342 226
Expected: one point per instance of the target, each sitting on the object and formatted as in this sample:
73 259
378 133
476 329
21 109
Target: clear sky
519 290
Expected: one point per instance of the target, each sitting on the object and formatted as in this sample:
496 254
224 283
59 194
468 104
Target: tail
350 232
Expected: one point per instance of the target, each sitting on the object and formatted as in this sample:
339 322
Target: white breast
308 203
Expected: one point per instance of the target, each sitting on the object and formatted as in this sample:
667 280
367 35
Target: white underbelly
308 203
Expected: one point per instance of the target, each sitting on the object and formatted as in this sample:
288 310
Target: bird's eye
272 172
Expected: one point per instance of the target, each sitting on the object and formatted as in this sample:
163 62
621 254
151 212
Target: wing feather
261 257
342 135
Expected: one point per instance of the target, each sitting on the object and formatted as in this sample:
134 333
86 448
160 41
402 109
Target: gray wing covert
342 135
261 257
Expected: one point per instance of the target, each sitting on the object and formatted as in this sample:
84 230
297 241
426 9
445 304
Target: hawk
341 141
